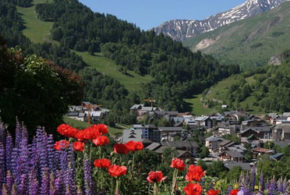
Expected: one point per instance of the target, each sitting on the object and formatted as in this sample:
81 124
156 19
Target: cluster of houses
87 111
252 131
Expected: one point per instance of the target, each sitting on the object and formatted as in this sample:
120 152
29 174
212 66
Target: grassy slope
218 92
252 41
39 31
36 30
197 106
132 82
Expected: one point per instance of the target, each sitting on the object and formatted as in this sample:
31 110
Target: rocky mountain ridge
184 29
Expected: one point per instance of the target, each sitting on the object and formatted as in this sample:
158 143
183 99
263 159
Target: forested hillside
265 89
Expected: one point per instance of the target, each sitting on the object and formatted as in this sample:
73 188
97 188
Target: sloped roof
153 146
181 144
170 129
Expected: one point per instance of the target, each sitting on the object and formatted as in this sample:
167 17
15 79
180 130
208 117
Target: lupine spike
18 133
44 190
22 185
253 178
50 150
2 161
9 181
87 175
33 183
8 148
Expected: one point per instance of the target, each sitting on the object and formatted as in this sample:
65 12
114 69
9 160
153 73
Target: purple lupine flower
24 133
23 162
2 161
244 191
14 159
261 180
71 158
272 187
58 185
18 134
63 164
9 181
50 150
69 180
44 189
41 142
246 180
33 183
280 185
87 175
253 178
8 148
22 185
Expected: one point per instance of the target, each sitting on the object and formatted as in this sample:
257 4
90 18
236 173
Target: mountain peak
183 29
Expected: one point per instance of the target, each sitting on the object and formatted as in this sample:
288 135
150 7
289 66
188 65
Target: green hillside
250 42
131 80
265 89
38 31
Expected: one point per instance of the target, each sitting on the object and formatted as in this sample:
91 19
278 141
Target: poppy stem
155 189
117 191
174 178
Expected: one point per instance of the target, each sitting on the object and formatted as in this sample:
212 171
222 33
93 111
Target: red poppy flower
102 163
139 146
155 176
91 133
194 173
234 192
80 135
66 130
60 145
101 141
213 192
116 170
103 129
121 149
134 146
193 189
177 163
79 146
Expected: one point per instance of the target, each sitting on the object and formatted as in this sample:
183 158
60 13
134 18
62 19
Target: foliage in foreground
66 167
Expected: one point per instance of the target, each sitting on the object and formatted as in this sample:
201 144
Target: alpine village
91 104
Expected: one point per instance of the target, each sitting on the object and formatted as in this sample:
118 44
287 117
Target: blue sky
147 14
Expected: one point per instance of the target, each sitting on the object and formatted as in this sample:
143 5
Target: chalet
204 121
281 132
168 133
260 151
271 118
189 146
182 154
136 107
212 143
233 153
256 133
